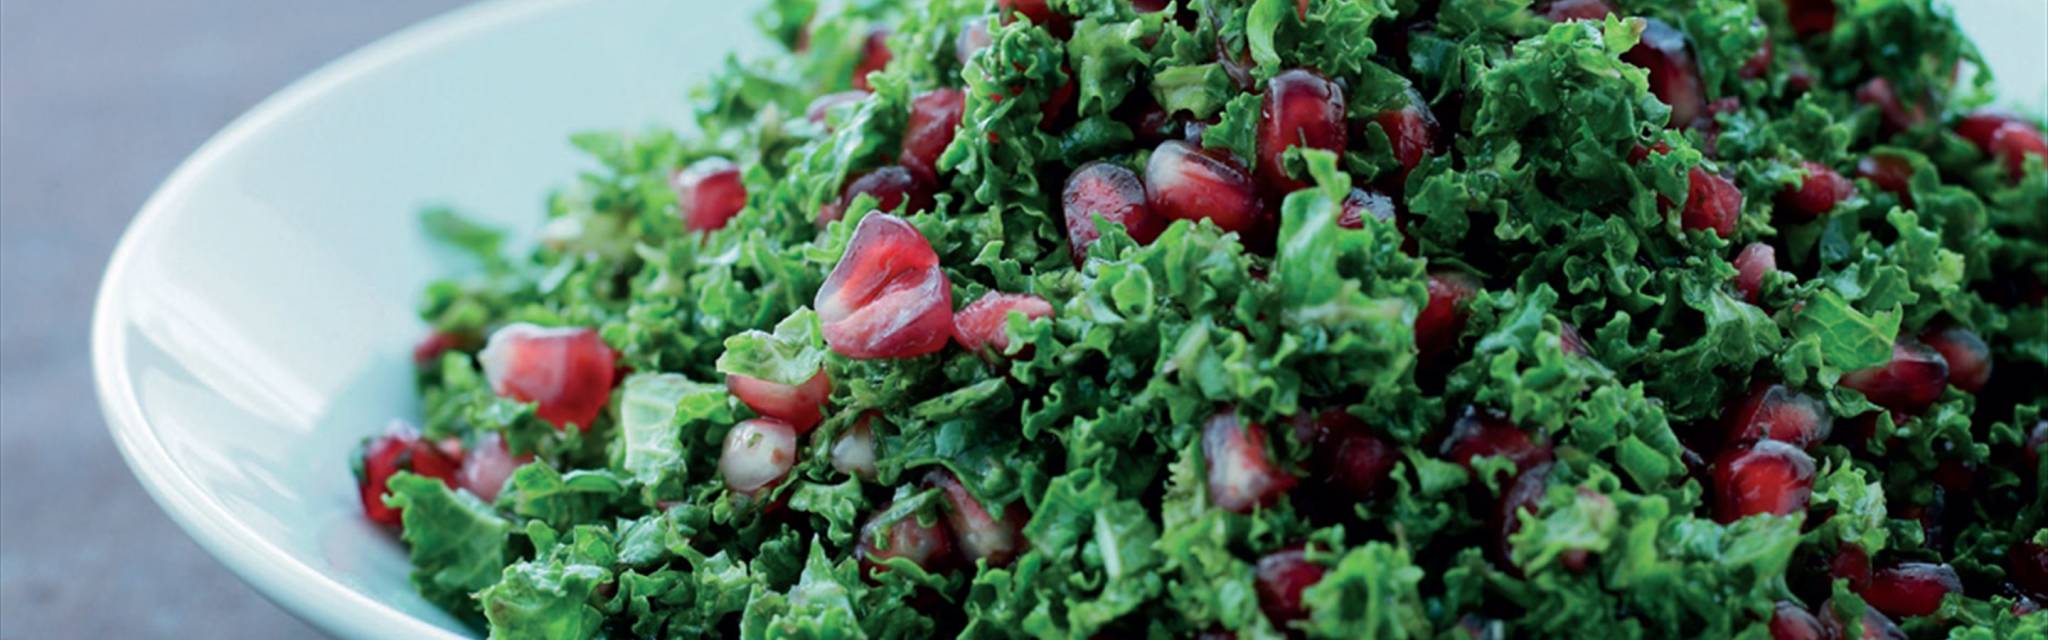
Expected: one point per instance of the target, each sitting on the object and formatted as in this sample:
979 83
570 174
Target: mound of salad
1262 319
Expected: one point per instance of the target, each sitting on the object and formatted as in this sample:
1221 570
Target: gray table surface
99 99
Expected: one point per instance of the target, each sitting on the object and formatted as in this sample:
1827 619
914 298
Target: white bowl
256 320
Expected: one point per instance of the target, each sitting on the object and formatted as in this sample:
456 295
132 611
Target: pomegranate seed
1480 433
486 468
891 186
1911 589
1056 102
427 352
2013 143
2028 568
1674 77
2024 606
1888 172
1113 192
1036 10
1968 358
708 193
1912 380
1280 577
1362 202
982 323
824 104
1978 127
1898 116
1777 413
1302 109
1412 134
799 406
568 371
1345 456
1569 10
874 56
1817 193
934 118
1875 625
2037 442
980 536
1811 17
1186 183
399 448
1242 474
1760 63
921 539
1520 497
854 452
1851 563
973 38
1755 261
1442 319
887 297
1791 622
1766 476
757 454
1711 202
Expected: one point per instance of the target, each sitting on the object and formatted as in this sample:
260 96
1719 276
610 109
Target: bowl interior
255 322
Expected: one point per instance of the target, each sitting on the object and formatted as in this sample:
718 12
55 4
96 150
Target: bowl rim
294 586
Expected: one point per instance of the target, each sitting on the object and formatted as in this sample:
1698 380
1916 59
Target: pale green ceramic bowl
256 320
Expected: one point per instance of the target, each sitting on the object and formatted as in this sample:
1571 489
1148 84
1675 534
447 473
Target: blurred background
99 100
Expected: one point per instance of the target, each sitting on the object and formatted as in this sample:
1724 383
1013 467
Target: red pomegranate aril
1777 413
2014 143
427 352
1569 10
1301 109
892 187
1363 202
973 38
1520 497
1875 625
1756 261
1037 10
823 105
1056 102
1442 319
1345 456
1978 127
1279 578
854 452
1898 116
757 454
980 536
887 297
983 323
1912 380
1888 172
1116 194
2037 444
567 371
1674 76
2027 567
1968 358
920 538
1186 183
1817 193
1851 563
1481 433
708 193
1767 476
800 405
934 118
874 56
1789 621
1411 133
1760 63
487 466
399 448
1711 202
1811 17
1911 589
1242 473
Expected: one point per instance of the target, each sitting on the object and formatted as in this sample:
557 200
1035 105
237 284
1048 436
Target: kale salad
1262 319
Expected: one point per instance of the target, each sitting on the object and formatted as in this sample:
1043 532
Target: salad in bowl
1260 319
